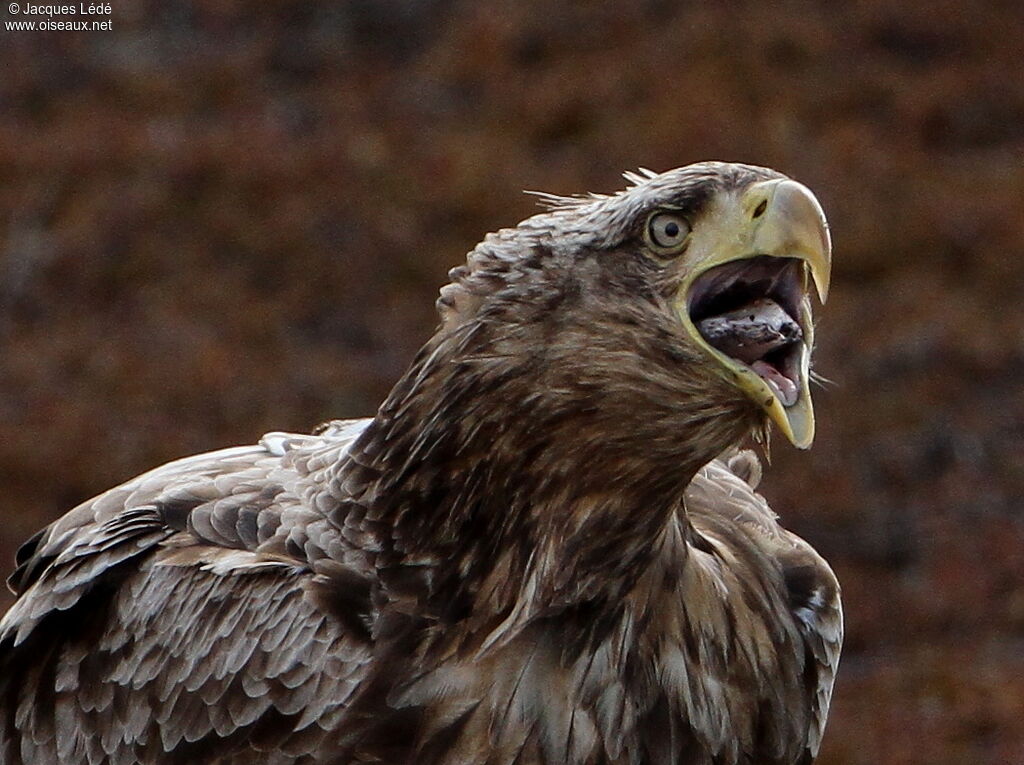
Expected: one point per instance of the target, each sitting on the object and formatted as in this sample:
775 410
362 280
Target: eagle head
692 285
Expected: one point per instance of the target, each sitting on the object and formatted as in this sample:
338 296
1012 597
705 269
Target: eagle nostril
759 210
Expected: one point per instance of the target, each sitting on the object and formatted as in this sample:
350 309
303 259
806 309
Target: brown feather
529 555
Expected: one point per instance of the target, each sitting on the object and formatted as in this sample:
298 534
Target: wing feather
723 506
167 614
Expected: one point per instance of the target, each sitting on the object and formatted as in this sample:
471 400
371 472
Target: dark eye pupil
672 230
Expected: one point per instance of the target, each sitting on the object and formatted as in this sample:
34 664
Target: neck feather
533 465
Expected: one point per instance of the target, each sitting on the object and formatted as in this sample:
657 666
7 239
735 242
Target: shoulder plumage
203 587
741 528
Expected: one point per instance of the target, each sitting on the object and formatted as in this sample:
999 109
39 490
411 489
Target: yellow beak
779 218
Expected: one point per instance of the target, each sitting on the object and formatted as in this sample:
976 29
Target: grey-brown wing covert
185 611
723 506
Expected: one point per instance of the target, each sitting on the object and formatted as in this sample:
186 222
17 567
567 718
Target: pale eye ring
668 232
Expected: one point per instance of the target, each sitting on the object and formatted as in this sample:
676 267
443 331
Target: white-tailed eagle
533 553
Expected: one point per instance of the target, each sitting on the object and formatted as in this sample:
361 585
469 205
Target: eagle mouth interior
750 310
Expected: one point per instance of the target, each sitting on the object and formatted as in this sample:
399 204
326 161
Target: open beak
746 299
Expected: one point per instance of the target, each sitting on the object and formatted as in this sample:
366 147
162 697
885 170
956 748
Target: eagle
545 547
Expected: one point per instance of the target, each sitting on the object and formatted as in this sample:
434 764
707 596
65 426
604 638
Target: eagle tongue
784 388
752 331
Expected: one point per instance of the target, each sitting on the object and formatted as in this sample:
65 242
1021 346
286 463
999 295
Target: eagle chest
637 694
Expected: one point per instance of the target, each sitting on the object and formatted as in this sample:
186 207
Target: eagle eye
667 232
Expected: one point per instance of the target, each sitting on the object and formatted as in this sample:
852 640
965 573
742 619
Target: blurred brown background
217 220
